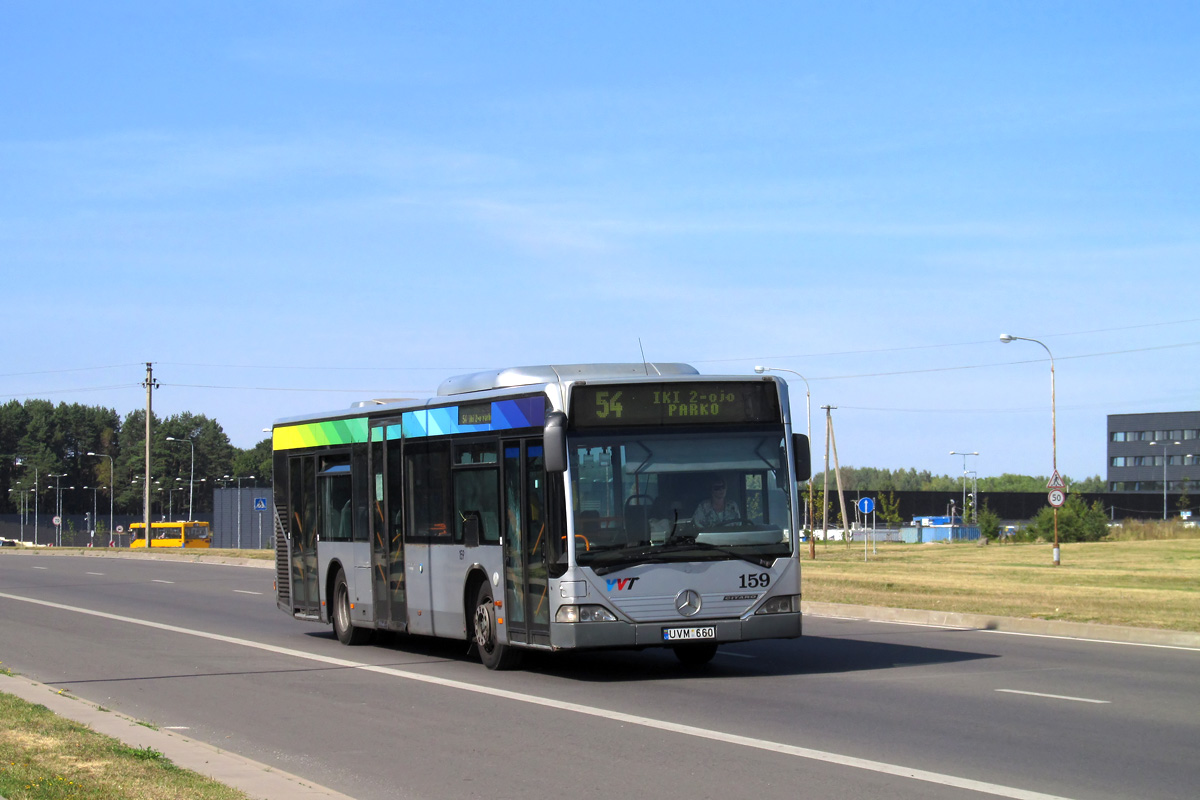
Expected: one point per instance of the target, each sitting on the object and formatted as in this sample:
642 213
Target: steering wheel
629 500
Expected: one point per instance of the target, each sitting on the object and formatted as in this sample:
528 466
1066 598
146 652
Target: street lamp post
57 505
1007 338
964 491
18 462
112 489
1164 447
192 475
92 531
812 540
974 495
22 506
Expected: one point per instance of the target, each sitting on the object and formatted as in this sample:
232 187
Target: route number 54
608 403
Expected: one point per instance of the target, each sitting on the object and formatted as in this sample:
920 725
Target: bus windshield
642 497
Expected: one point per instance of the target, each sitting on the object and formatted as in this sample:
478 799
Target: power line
321 369
62 371
938 346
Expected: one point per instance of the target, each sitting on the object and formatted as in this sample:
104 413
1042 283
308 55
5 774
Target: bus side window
428 475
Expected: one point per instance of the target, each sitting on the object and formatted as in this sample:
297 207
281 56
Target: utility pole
825 485
837 473
150 385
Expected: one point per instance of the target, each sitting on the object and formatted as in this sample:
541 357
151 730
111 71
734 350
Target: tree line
875 479
51 443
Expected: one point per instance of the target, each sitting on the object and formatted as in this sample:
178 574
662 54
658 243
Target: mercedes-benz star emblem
687 602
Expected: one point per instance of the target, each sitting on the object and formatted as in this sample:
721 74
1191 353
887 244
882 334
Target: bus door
526 573
393 519
387 545
426 484
302 525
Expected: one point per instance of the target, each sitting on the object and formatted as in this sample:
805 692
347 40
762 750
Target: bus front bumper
588 635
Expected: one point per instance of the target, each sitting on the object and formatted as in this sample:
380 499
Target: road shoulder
1021 625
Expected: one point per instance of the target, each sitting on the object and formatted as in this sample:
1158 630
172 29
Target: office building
1144 450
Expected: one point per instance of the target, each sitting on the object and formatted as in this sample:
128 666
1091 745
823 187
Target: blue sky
291 206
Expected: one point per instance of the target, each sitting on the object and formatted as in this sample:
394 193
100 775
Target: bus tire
493 654
343 625
695 655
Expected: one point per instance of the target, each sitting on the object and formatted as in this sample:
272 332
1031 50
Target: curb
190 558
256 780
989 622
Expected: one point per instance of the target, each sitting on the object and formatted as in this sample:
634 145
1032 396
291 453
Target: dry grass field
1150 584
46 757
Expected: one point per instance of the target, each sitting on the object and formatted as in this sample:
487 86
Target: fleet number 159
758 580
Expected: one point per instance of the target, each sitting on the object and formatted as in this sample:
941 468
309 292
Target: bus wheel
695 655
342 626
493 654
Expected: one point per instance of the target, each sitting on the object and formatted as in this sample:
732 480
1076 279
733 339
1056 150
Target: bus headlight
787 603
584 614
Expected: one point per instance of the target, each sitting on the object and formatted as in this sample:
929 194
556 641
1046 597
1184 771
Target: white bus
548 508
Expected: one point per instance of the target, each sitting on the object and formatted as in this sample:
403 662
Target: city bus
548 508
171 534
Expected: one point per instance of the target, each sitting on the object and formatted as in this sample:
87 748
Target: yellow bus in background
171 534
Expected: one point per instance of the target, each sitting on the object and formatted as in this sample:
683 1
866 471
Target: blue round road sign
866 505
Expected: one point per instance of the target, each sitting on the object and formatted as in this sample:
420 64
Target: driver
716 509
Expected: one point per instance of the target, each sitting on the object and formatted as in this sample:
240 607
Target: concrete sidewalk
256 780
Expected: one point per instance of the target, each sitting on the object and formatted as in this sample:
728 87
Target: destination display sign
691 403
477 414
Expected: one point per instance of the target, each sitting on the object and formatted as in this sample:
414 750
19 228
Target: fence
242 518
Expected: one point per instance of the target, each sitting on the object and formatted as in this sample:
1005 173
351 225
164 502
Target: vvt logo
620 584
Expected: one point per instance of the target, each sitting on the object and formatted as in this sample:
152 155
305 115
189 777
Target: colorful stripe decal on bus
316 434
523 412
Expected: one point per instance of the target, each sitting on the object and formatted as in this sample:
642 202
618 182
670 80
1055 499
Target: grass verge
47 757
1147 584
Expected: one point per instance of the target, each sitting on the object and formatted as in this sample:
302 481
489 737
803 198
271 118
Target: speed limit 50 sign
1057 497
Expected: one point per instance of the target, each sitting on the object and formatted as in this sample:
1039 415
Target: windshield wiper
762 561
656 554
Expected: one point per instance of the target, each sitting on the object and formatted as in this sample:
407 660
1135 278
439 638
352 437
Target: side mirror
801 458
554 442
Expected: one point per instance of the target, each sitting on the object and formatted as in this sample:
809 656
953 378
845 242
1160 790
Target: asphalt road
852 710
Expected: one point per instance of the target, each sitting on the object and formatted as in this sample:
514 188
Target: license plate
688 634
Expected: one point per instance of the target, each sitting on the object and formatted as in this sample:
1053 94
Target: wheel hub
483 627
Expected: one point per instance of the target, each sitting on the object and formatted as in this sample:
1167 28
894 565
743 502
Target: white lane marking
93 573
896 770
243 591
156 580
1006 633
176 728
1095 641
41 568
1056 696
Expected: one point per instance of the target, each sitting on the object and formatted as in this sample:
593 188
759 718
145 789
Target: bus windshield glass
642 497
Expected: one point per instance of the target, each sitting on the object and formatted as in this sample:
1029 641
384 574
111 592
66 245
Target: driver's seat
637 525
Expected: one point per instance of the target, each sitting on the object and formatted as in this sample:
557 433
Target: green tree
889 510
989 522
1077 522
819 502
256 461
